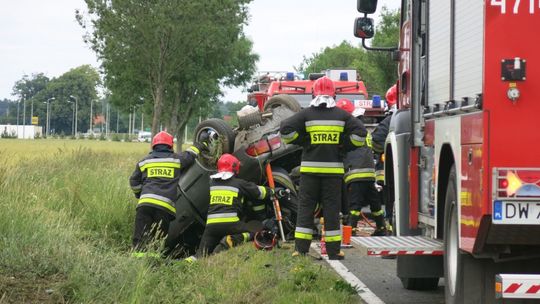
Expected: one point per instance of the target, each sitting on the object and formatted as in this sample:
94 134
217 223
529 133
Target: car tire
282 100
221 140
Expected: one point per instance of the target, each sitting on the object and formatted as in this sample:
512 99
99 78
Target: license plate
510 212
364 103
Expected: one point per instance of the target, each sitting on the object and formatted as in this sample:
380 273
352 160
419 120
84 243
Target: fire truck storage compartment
465 58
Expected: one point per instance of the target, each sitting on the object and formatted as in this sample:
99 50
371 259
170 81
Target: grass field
66 217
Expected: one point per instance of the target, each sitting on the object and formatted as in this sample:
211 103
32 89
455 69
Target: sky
39 36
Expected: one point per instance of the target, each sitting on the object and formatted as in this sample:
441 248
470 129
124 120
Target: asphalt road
379 276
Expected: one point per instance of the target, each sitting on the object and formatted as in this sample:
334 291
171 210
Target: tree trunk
158 105
183 119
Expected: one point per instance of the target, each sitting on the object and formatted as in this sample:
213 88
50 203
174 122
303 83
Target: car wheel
220 140
282 100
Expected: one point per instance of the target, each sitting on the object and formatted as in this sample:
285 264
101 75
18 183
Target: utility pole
142 120
91 117
76 101
47 121
108 121
24 118
117 118
129 125
18 103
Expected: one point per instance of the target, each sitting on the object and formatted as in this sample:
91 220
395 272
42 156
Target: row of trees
377 69
172 56
33 93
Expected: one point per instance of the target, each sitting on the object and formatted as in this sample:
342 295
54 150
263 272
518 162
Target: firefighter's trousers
326 190
228 232
361 194
150 224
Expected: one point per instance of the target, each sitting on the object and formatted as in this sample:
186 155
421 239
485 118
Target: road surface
379 275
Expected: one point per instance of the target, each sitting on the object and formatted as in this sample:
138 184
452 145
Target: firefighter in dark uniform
324 132
379 139
226 221
360 179
154 183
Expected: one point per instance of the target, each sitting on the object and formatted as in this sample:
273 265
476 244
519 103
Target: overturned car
255 142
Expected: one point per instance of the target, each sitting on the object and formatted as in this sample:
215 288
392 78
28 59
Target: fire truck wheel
220 140
453 258
282 100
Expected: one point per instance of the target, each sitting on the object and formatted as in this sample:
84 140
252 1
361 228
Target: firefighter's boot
231 241
380 224
353 221
339 256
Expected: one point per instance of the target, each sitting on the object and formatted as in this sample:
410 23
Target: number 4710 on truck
463 153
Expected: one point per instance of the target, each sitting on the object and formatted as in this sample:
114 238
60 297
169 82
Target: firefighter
324 132
226 223
379 138
154 183
360 179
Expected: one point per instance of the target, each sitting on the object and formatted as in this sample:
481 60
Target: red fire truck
274 88
462 156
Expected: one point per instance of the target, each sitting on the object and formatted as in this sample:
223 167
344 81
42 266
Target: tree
80 82
376 69
25 89
155 52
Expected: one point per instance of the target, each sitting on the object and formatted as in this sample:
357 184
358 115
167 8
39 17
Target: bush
5 134
102 136
91 136
116 137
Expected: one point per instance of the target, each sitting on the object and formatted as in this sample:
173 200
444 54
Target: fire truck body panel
468 80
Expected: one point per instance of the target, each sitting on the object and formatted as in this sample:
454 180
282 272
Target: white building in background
26 132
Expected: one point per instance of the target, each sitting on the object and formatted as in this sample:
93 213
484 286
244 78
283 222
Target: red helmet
265 240
228 163
391 95
346 105
324 86
163 138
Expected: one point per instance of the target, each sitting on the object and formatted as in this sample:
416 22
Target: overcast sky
43 36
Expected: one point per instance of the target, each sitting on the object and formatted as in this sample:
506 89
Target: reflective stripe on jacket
227 199
155 178
324 133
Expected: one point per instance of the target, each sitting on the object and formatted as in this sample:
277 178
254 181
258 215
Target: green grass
66 218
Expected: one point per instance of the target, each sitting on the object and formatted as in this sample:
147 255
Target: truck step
517 286
398 245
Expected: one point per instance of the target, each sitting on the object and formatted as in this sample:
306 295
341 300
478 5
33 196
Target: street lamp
91 131
48 120
76 99
72 119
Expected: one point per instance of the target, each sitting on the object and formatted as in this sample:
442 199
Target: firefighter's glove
378 187
282 193
202 146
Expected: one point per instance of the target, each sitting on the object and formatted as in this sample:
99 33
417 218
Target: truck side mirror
364 28
366 6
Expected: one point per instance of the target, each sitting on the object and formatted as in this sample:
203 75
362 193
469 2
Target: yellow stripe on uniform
325 129
358 141
259 207
223 220
288 138
262 192
154 201
194 150
305 169
332 236
303 236
160 164
365 175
